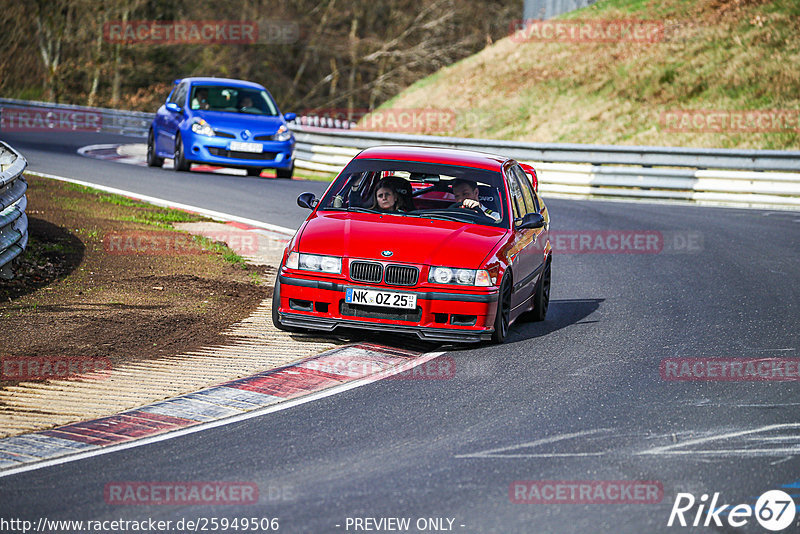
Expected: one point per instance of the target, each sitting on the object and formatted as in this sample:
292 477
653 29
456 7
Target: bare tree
53 25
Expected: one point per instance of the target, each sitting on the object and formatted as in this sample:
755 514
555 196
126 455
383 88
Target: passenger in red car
387 198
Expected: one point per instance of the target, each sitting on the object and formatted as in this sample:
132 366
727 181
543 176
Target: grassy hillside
734 55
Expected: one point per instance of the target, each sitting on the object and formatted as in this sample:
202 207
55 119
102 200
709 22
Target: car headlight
283 134
463 277
314 262
199 126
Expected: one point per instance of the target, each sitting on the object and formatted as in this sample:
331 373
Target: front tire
501 320
285 173
179 160
152 159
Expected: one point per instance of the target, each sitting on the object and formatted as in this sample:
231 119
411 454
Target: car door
535 238
173 119
523 262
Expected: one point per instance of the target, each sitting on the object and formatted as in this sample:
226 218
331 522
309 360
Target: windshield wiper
355 209
447 217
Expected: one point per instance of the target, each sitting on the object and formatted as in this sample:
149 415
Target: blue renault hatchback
222 122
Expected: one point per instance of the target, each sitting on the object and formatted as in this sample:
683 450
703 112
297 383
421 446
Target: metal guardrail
13 221
650 156
703 175
28 115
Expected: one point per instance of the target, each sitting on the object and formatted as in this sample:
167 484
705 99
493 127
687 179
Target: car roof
222 81
447 156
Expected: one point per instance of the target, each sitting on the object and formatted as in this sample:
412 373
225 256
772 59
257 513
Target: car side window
179 96
527 191
517 203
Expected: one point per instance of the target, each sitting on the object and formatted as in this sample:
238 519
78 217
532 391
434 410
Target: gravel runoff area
114 309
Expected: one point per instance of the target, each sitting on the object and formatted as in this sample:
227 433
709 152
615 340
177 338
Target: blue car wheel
179 160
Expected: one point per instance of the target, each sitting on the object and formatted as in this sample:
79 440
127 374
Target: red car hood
411 239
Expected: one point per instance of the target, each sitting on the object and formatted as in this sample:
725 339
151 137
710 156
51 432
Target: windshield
411 189
233 100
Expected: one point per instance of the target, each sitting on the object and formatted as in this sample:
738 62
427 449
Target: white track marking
675 449
671 449
497 453
228 420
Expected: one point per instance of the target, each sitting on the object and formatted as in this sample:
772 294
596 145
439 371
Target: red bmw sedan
447 244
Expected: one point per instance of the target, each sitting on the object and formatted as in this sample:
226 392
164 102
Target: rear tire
541 299
285 173
501 319
152 159
253 172
179 160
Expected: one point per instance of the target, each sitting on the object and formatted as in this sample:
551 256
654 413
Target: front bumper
319 305
215 151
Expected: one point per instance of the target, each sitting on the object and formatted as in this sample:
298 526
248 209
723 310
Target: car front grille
215 151
366 271
264 137
372 272
224 134
401 275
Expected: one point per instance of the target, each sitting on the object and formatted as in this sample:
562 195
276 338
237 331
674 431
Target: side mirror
307 200
289 117
531 220
173 107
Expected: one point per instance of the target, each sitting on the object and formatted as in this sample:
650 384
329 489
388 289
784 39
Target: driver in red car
467 196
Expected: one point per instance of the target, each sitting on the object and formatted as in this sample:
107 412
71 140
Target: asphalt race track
579 397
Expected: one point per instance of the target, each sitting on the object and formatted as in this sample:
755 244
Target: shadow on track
562 313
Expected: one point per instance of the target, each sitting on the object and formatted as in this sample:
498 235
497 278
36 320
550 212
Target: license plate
387 299
255 148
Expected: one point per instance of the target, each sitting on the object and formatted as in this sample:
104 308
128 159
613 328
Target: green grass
110 198
314 175
161 217
150 215
220 248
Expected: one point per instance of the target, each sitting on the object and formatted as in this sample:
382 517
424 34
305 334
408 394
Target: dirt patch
74 296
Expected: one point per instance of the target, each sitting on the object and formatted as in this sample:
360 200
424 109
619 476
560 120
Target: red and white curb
329 373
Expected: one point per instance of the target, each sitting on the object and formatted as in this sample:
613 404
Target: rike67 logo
774 510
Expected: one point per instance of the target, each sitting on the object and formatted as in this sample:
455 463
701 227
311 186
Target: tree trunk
116 81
